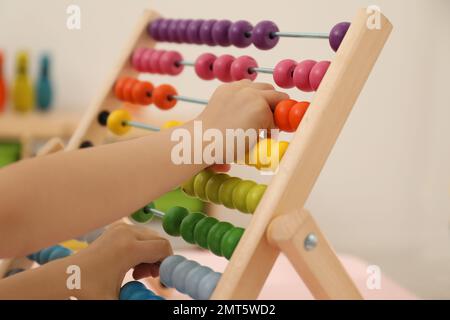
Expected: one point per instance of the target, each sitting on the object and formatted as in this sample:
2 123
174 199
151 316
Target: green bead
215 236
239 195
172 220
200 183
226 192
188 187
188 225
213 185
143 215
230 241
254 196
201 231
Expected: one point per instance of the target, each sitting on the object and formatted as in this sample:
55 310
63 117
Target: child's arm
103 266
56 197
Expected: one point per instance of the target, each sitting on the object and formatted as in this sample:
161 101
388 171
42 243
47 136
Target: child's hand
105 262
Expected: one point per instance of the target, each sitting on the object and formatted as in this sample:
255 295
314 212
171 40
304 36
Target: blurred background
384 194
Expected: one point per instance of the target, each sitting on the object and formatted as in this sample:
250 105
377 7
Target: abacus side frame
304 159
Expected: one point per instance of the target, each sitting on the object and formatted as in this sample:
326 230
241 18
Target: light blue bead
59 252
207 285
180 272
166 269
129 288
44 255
193 279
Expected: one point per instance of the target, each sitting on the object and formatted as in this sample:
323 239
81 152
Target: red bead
169 63
301 75
162 96
154 61
145 60
204 66
222 67
317 74
142 93
118 88
283 73
296 114
241 68
281 114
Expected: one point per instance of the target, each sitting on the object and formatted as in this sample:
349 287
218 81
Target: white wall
384 193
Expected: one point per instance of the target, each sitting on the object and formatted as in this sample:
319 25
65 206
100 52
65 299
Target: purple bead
263 35
153 29
220 33
182 30
172 31
163 31
206 32
240 34
337 34
193 31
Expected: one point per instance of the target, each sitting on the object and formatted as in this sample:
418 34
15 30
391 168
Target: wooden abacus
280 224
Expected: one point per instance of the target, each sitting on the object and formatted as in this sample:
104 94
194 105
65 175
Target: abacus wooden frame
280 223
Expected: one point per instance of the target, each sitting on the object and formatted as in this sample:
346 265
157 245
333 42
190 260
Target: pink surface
284 283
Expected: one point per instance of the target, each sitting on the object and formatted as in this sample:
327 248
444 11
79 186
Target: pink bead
204 66
154 61
317 73
301 75
145 60
283 73
169 63
222 66
136 58
240 68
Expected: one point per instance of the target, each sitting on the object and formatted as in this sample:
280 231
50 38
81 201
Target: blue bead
129 288
58 253
155 297
207 285
142 295
166 269
193 279
44 255
180 272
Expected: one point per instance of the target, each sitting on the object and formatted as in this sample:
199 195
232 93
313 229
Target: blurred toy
2 86
22 89
44 92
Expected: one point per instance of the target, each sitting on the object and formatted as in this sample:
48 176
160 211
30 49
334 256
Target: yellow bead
74 245
267 154
171 124
117 122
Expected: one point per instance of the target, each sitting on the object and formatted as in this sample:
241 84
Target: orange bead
296 114
118 88
162 96
142 93
127 91
281 114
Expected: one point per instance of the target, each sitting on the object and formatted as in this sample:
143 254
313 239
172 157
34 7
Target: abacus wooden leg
299 237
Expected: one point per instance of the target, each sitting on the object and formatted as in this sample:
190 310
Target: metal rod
186 63
311 35
187 99
262 70
141 125
156 212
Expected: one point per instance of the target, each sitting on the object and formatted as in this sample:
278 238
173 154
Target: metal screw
310 242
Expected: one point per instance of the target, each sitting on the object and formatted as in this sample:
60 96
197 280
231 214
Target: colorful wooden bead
206 32
301 75
215 236
254 197
240 33
241 68
163 96
59 252
296 114
141 93
163 29
188 224
180 272
136 59
143 215
267 154
193 278
129 288
204 66
146 59
169 63
182 30
200 183
283 73
220 33
222 67
230 241
281 114
202 229
153 29
317 73
171 123
118 87
263 36
117 122
239 195
166 269
172 31
207 285
213 185
155 58
128 90
193 31
188 187
226 192
337 34
172 220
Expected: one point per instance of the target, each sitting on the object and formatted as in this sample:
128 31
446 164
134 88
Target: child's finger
273 97
225 167
261 86
151 251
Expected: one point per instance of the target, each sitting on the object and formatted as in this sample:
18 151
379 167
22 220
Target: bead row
220 237
188 277
220 188
289 113
264 35
134 91
49 254
157 61
135 290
